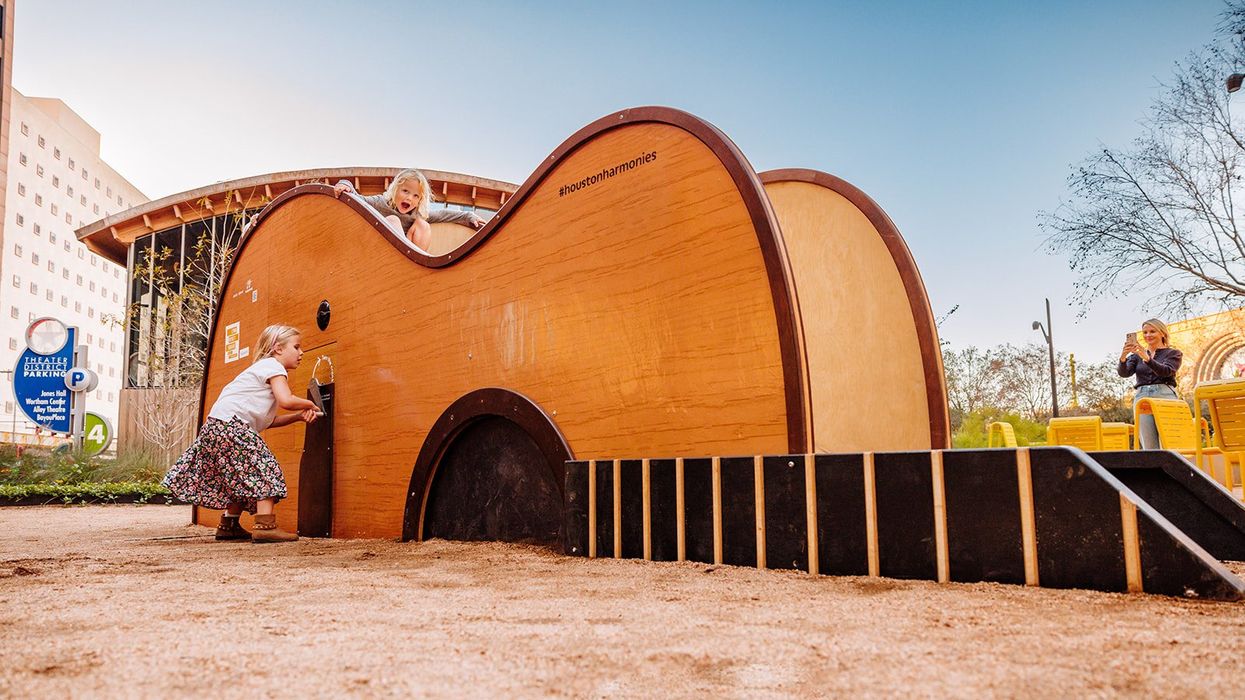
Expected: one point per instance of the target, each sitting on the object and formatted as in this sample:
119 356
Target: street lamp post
1047 333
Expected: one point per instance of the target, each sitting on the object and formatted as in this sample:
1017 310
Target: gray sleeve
450 216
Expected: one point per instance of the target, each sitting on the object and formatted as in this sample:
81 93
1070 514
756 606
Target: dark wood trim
918 301
783 293
463 412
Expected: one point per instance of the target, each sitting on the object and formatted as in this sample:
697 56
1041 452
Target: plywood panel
868 372
636 311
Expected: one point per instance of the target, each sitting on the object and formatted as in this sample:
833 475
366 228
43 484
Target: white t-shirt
249 396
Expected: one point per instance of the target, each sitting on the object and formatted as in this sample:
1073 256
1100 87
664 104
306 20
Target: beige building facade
56 181
1213 347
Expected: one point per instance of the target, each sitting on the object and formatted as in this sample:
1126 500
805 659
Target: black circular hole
322 315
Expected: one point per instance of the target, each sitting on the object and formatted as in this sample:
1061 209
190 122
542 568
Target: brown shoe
231 529
266 530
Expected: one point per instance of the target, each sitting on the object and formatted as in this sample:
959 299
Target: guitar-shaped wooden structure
644 293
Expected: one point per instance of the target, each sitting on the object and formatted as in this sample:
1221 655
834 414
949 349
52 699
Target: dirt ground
131 601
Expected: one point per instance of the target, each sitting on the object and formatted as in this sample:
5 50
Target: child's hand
341 187
476 222
309 415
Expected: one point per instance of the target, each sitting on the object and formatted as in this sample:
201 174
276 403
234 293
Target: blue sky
961 119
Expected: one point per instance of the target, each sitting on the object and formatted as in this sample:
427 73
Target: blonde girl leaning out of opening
406 205
228 467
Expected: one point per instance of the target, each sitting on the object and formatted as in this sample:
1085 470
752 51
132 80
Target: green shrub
972 432
138 491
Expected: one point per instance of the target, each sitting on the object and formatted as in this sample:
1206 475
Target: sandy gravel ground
130 601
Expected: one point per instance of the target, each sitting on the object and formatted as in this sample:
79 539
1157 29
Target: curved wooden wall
646 308
874 363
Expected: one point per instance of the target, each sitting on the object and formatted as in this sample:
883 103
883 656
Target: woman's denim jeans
1147 432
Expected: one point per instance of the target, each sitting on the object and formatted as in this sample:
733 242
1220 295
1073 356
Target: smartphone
1131 338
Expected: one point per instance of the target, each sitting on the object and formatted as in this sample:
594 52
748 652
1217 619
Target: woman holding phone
1154 364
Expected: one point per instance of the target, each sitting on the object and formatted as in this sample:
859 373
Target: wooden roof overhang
111 237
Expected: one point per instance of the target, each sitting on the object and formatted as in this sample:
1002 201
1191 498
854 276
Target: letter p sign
81 379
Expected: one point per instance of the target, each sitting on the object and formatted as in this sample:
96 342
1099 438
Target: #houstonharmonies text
607 173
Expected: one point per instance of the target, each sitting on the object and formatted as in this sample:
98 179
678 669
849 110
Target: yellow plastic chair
1001 434
1117 436
1177 429
1084 432
1226 400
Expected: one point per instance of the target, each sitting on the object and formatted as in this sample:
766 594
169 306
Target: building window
21 189
51 236
17 250
56 153
25 129
97 183
34 288
94 262
64 301
30 317
77 307
71 163
66 245
65 272
95 209
116 272
112 371
90 312
80 254
56 182
69 190
42 143
111 396
34 258
8 405
21 220
49 295
114 298
112 347
79 280
69 218
21 158
82 200
108 193
92 285
17 281
84 173
37 229
51 266
38 200
90 338
39 170
118 200
55 209
14 313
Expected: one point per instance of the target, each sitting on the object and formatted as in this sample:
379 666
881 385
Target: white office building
56 183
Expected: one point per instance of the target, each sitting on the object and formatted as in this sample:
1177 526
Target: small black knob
322 315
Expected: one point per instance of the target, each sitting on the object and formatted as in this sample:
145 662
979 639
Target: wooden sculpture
644 293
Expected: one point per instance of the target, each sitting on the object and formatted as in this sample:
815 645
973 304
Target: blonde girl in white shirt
229 467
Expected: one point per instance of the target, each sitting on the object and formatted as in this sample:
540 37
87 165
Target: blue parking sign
39 385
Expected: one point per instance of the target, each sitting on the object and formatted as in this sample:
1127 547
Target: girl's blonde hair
273 337
1158 325
425 190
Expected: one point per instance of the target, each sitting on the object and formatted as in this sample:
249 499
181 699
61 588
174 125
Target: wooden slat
810 514
592 509
680 506
871 515
1028 528
1132 545
647 496
940 516
758 480
717 510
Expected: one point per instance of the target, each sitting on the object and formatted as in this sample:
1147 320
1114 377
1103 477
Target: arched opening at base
493 484
491 468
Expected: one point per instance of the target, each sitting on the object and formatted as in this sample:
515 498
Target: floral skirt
227 463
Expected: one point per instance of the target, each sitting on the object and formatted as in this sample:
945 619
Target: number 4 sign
98 434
